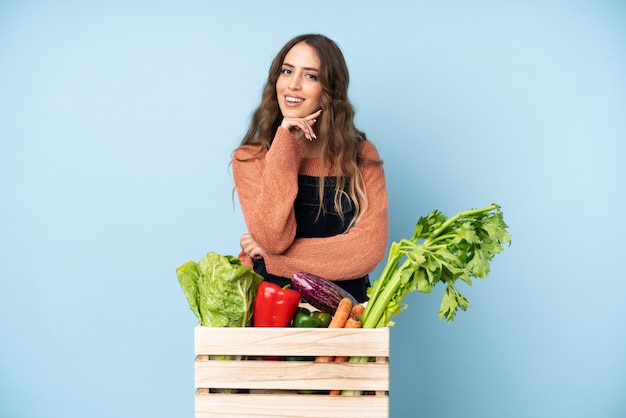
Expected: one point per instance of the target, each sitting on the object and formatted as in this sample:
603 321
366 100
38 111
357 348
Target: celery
441 250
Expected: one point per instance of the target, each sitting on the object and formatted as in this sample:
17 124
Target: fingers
250 247
310 121
256 253
314 115
300 127
308 129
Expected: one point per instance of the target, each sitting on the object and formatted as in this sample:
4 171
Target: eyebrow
306 68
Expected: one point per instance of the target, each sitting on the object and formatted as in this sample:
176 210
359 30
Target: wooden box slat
292 341
287 406
259 374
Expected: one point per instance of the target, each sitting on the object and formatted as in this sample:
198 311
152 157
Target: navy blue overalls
312 223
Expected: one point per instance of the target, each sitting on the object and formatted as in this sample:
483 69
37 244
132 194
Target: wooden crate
274 388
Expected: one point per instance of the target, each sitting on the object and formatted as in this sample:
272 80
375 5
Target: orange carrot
357 311
350 323
342 314
341 359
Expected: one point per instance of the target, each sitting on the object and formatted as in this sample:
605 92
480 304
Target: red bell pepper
275 306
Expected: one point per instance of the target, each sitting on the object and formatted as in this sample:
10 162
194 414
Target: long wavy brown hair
335 127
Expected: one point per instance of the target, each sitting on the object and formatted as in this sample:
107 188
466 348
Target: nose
294 83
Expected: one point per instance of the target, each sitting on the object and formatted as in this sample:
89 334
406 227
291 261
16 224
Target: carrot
357 311
342 314
350 323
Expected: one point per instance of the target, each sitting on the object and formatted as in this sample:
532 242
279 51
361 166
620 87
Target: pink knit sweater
267 187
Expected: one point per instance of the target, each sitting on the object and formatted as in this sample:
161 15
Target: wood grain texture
281 405
273 388
291 341
260 374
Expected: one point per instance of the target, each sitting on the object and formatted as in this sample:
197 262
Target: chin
296 113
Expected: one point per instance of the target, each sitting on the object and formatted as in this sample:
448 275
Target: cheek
318 96
280 85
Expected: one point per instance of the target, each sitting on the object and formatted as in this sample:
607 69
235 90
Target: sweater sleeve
344 256
267 188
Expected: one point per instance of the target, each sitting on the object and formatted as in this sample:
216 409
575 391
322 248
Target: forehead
302 55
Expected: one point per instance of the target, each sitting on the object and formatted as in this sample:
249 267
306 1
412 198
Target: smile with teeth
293 99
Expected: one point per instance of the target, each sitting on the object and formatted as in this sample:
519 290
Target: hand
250 246
300 127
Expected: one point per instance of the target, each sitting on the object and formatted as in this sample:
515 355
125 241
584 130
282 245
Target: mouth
293 100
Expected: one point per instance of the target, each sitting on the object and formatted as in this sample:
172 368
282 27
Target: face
297 88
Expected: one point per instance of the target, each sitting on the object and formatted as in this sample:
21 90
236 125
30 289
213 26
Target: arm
267 187
344 256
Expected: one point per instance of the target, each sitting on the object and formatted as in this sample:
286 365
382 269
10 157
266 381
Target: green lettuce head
220 290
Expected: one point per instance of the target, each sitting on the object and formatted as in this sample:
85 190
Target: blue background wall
117 120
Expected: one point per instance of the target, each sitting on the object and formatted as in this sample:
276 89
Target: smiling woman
298 87
311 186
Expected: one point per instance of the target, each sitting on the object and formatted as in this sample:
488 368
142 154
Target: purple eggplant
320 293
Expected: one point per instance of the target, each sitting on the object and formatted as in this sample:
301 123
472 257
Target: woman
311 186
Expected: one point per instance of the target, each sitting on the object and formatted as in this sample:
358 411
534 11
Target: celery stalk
441 250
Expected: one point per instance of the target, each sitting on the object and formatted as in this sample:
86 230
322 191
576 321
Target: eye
286 71
311 77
